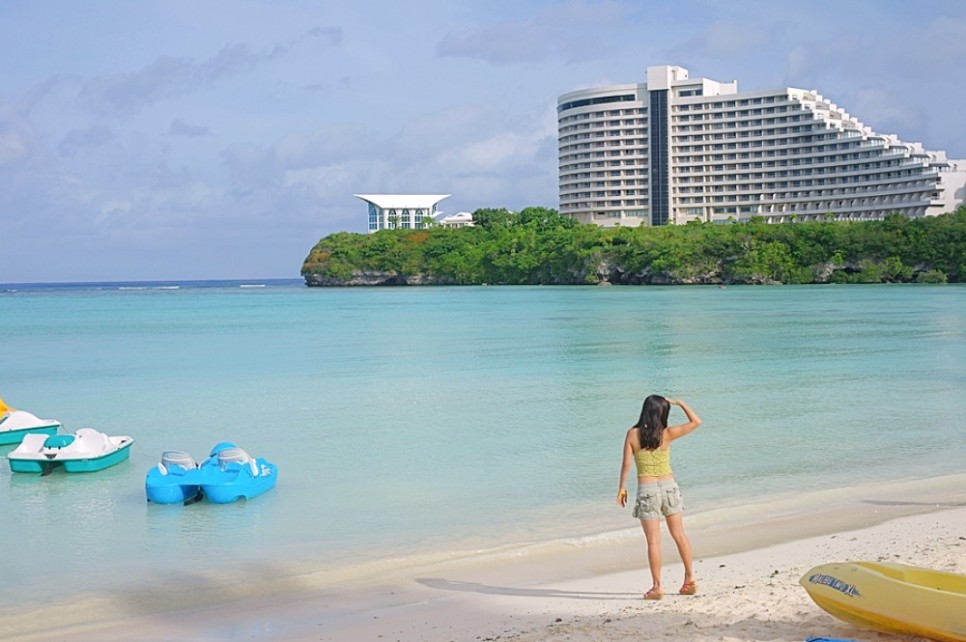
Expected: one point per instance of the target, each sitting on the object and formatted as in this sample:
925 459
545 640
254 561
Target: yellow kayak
892 597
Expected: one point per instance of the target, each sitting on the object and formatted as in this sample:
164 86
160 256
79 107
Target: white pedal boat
14 424
86 450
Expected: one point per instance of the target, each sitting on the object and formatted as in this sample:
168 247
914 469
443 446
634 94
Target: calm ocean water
413 420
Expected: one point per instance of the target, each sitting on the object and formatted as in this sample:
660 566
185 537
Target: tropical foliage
537 246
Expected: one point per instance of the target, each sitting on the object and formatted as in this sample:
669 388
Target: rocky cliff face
595 272
604 273
371 278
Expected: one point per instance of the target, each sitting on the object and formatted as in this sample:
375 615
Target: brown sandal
654 594
689 588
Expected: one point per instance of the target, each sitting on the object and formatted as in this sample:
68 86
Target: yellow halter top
653 463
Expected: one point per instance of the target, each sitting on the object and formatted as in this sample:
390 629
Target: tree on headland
491 217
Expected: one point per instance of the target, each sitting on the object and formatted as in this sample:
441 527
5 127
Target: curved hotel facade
677 149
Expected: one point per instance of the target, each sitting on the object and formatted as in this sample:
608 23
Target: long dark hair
653 421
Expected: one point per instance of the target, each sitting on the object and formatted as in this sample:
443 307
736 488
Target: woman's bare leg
652 532
675 524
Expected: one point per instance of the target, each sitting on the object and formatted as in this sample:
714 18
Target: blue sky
222 139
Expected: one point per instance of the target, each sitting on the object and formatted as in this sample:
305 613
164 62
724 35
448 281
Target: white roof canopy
403 201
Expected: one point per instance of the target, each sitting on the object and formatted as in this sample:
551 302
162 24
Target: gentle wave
100 286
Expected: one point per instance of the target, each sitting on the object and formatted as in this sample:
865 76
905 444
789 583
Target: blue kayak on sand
229 474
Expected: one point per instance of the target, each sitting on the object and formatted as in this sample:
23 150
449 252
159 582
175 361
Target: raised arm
682 429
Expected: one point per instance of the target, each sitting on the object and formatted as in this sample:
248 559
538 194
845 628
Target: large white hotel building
678 149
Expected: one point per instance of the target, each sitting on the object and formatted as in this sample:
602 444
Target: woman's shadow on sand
476 587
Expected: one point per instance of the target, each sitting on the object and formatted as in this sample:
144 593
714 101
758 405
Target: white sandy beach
748 565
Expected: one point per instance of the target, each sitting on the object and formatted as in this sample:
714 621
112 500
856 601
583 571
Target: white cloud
170 77
19 140
731 39
563 32
181 128
327 181
494 152
77 140
878 110
300 149
14 145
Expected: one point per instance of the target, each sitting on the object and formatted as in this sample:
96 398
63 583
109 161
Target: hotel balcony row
846 175
805 207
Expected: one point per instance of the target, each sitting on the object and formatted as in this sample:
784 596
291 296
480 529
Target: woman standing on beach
648 446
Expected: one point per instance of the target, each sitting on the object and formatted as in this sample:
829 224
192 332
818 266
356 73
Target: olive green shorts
654 499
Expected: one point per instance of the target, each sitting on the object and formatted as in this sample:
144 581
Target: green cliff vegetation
537 246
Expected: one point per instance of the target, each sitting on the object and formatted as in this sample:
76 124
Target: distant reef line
537 246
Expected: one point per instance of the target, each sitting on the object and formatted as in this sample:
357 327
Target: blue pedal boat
84 451
174 480
227 475
230 474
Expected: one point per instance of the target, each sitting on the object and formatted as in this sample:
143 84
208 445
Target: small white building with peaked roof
401 211
460 219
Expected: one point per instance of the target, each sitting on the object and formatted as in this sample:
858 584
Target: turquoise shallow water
408 420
